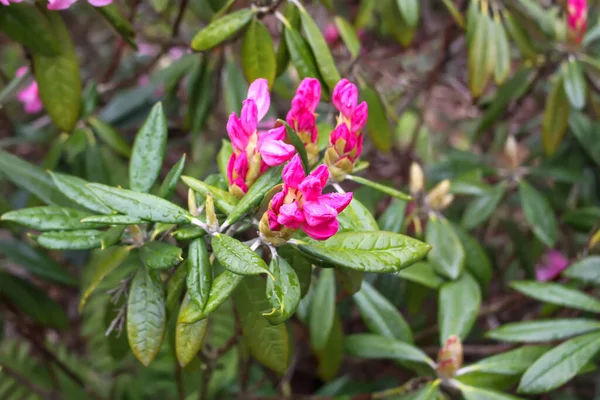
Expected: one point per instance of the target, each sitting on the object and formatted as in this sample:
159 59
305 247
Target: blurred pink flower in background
553 262
577 19
30 96
7 2
331 34
64 4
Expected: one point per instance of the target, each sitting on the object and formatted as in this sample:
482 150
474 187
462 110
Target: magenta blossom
253 151
551 265
577 19
7 2
346 140
302 117
331 34
30 96
302 205
65 4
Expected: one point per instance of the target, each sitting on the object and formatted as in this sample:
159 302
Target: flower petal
345 97
293 173
322 174
338 201
276 152
317 213
290 216
321 232
237 134
99 3
60 4
248 116
259 92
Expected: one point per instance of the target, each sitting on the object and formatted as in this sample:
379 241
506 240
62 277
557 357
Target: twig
177 24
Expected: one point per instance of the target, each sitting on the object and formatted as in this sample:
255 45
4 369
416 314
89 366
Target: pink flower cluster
253 151
302 117
30 96
302 205
346 140
577 19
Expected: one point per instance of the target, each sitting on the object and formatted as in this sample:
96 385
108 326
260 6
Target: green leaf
258 53
283 293
75 189
538 213
422 273
356 217
555 293
224 156
478 42
140 205
585 132
160 255
201 89
393 217
503 58
188 232
513 362
58 77
114 219
199 279
560 364
189 338
292 15
477 261
410 11
331 356
479 210
71 240
255 194
175 288
368 345
32 179
224 201
458 304
25 24
301 55
543 331
574 82
146 315
586 270
221 29
237 257
95 168
118 22
222 287
368 251
300 264
295 140
381 316
49 218
102 263
556 116
322 309
110 136
378 127
36 262
475 393
349 36
148 151
377 186
267 343
447 254
430 391
111 236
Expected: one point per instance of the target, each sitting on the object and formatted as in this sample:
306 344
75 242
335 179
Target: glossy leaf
301 55
224 201
146 315
479 210
292 15
422 273
356 217
189 338
447 254
322 309
49 218
199 279
75 189
368 251
512 362
574 83
556 116
237 257
25 24
349 36
258 53
476 393
538 213
458 304
160 255
378 127
555 293
543 331
283 293
221 29
70 240
586 270
188 232
110 136
367 345
175 288
301 266
148 151
382 188
114 219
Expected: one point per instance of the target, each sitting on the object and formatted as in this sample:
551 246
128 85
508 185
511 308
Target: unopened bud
211 216
450 358
511 151
439 197
417 181
192 202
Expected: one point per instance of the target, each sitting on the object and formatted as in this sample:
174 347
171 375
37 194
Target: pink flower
302 117
176 53
253 151
345 97
577 19
302 205
7 2
552 264
331 34
30 96
65 4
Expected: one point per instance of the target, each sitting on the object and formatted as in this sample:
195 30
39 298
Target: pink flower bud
309 92
30 95
331 34
345 97
359 118
259 92
450 358
577 19
237 134
249 116
551 265
293 173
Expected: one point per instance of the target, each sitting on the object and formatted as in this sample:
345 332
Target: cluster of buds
346 140
254 152
450 358
577 19
302 117
301 204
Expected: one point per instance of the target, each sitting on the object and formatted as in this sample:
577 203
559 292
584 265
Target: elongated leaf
114 219
447 254
380 316
479 42
410 11
258 53
110 136
103 263
224 201
586 270
49 218
543 331
513 362
189 338
267 343
480 209
368 251
111 236
574 82
585 132
349 36
296 141
75 189
292 15
378 127
160 255
146 315
382 188
168 186
560 364
70 240
322 309
367 345
538 213
430 391
255 194
199 280
236 257
221 29
422 273
503 59
393 217
475 393
25 24
175 288
300 264
301 55
356 217
140 205
556 116
224 156
477 261
331 356
148 151
118 22
189 232
458 303
283 293
58 77
555 293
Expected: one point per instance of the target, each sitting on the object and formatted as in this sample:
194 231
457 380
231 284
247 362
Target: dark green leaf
513 362
410 11
475 393
458 304
543 331
283 293
292 15
71 240
223 157
301 55
480 209
322 309
49 218
114 219
574 82
258 53
538 213
503 55
110 136
189 338
75 189
189 232
237 257
160 255
585 132
447 254
199 280
349 36
118 22
111 236
331 356
586 270
422 273
555 293
168 186
367 345
300 264
175 287
477 261
393 217
25 24
356 217
378 127
224 201
295 140
556 116
221 29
